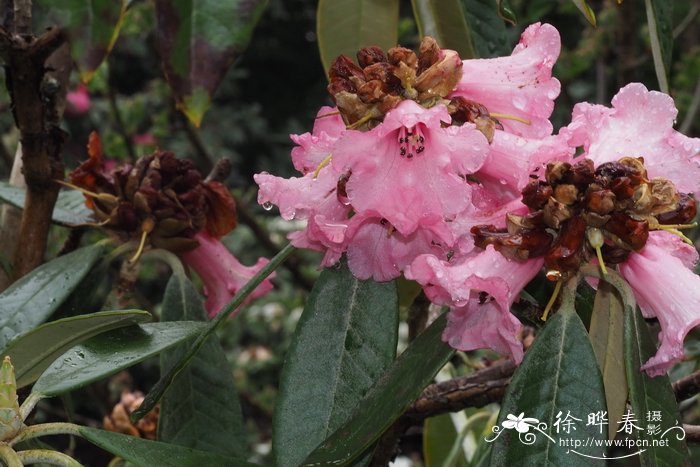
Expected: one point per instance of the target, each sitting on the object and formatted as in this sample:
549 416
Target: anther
596 240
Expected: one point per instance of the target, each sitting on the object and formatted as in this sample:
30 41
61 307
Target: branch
687 387
692 433
473 390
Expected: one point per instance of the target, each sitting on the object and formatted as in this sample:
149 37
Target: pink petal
666 289
222 274
520 85
513 159
426 190
476 326
314 147
640 124
377 252
484 270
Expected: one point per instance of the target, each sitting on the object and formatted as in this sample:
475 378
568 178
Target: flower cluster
448 172
162 201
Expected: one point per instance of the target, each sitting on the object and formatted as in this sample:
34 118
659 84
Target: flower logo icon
521 423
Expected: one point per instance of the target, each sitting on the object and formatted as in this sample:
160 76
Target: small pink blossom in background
144 139
78 101
222 274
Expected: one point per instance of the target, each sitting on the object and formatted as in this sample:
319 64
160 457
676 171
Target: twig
473 390
121 127
692 433
687 387
197 143
692 110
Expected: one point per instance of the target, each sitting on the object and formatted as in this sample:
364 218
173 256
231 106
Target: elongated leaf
486 28
69 210
200 410
660 21
145 453
345 26
439 438
92 26
343 342
169 376
110 352
506 12
558 379
31 300
652 399
444 21
586 10
198 40
35 351
387 399
606 337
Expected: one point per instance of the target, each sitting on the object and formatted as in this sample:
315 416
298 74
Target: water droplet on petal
519 102
267 205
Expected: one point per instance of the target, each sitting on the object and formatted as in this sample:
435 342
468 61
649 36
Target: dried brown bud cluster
365 93
579 208
119 420
159 197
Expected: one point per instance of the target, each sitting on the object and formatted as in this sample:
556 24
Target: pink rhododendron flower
520 85
666 288
639 124
477 320
222 274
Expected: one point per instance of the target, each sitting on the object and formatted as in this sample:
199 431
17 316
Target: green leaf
345 26
586 10
198 40
387 399
344 341
606 337
652 395
92 27
200 410
559 376
32 299
660 21
70 209
439 437
167 379
444 21
487 29
585 300
34 351
110 352
146 453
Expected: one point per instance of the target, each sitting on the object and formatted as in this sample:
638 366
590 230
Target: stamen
550 304
595 238
674 231
509 117
146 228
323 163
678 226
142 244
361 121
329 114
101 196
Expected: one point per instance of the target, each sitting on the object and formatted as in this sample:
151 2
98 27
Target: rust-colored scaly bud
370 55
565 255
606 211
365 93
536 194
685 211
632 233
161 198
